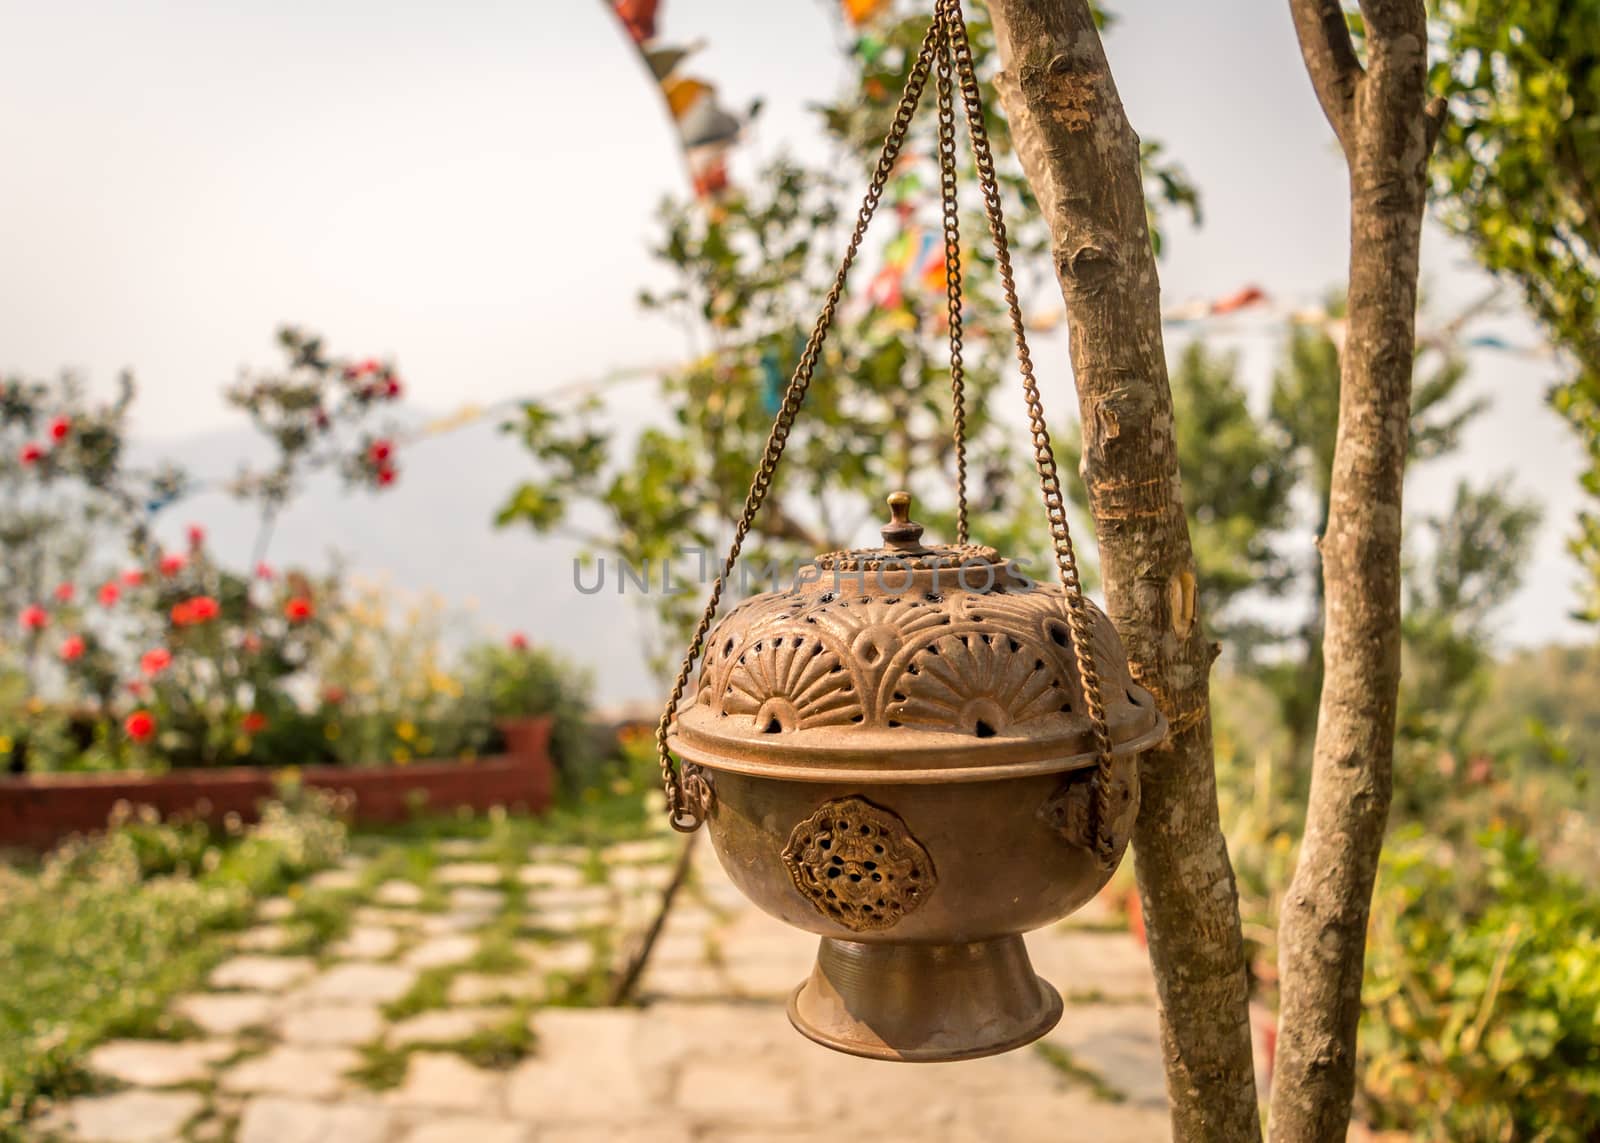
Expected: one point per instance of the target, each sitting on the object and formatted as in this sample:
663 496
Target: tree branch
1322 930
1081 158
1330 58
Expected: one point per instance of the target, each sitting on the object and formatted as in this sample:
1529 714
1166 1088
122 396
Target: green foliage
96 942
748 275
1517 173
518 681
1482 989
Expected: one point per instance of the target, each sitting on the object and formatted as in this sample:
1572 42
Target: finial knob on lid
902 533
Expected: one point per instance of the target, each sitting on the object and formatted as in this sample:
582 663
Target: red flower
380 450
264 571
133 577
140 725
34 617
109 594
384 476
72 648
197 537
253 723
173 564
392 388
200 609
370 365
152 663
59 428
518 641
332 695
31 453
299 609
66 592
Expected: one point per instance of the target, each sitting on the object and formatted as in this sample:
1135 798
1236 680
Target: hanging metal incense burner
917 753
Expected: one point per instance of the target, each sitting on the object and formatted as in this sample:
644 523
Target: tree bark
1082 159
1385 127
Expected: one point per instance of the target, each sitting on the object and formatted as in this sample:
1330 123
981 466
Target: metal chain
686 812
952 273
1078 619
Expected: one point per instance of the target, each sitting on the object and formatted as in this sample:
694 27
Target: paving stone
158 1063
550 874
226 1013
681 981
335 880
572 920
455 921
629 1133
645 879
273 1119
736 1089
469 873
378 917
287 1069
1109 963
131 1116
471 988
570 897
468 1129
1121 1043
446 1025
472 898
261 973
367 942
264 938
565 957
400 893
355 982
559 854
439 1079
332 1025
437 952
636 852
583 1052
275 909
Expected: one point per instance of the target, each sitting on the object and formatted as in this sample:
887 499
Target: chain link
952 272
1078 620
687 811
947 40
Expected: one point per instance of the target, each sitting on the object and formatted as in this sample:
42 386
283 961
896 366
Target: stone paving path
415 1026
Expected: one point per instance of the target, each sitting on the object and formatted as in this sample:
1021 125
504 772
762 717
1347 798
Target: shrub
518 681
1483 993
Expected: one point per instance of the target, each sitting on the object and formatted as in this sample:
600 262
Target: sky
470 188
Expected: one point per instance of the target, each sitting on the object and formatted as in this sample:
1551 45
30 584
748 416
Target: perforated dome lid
907 663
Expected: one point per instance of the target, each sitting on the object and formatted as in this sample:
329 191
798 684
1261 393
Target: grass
1065 1063
105 933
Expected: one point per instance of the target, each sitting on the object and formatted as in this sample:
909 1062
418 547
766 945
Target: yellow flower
402 756
5 744
35 705
241 745
405 731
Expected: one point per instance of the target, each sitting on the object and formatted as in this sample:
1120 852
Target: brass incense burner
897 757
917 753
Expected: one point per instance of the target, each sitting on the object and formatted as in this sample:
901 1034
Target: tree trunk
1082 159
1385 127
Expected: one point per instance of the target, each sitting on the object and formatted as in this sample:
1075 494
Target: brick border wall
38 810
